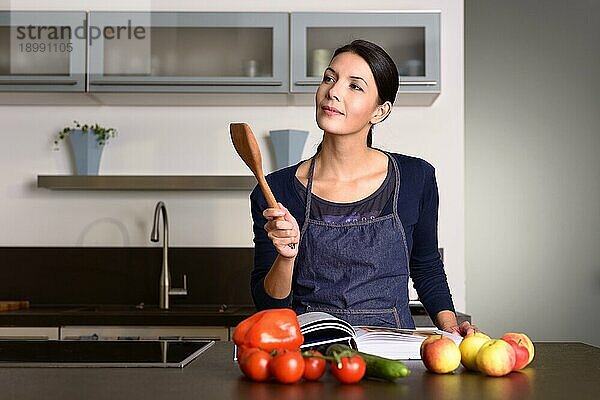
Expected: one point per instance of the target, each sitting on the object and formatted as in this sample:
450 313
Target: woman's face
347 99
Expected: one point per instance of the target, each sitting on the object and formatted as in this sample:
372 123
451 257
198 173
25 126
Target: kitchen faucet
165 289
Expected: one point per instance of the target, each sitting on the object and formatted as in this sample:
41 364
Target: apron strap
396 186
395 206
311 172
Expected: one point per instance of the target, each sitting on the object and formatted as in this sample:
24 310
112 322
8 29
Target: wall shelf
146 182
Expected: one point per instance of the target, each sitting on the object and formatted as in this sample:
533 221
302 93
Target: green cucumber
377 367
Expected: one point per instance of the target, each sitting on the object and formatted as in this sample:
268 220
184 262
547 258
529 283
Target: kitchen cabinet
115 332
411 38
220 53
189 52
29 333
145 332
42 51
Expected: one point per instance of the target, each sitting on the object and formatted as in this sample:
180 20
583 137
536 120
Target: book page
320 328
392 343
407 335
316 319
316 316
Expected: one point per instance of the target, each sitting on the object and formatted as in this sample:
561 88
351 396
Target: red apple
522 341
440 354
427 341
521 355
495 358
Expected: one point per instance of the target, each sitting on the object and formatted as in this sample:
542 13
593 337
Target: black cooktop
93 353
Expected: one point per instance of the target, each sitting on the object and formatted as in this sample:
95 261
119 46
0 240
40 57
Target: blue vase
86 151
288 145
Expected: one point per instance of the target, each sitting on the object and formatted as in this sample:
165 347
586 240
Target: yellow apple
495 358
440 354
469 347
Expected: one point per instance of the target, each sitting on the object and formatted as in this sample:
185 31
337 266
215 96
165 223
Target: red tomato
314 367
254 363
287 366
352 369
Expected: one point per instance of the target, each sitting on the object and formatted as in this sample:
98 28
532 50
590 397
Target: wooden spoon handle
269 197
246 146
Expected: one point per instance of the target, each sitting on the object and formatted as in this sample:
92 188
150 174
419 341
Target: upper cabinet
189 52
208 52
411 38
42 51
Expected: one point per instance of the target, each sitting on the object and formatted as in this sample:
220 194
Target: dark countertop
181 315
559 371
198 315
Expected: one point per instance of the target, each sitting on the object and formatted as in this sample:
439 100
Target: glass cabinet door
42 51
412 39
189 52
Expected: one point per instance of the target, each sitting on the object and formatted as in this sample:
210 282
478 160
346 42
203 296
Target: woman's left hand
446 321
463 329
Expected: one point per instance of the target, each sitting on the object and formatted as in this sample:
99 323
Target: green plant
102 134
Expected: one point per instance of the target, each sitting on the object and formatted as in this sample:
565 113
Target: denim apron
357 271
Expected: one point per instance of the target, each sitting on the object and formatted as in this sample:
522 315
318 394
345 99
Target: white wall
194 140
532 167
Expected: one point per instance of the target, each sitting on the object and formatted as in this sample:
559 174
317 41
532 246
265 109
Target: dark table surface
132 315
558 371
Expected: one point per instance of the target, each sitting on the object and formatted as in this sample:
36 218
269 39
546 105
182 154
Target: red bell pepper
274 329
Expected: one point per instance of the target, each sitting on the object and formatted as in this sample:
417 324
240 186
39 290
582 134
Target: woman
360 216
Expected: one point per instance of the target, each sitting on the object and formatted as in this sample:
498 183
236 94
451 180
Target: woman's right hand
282 232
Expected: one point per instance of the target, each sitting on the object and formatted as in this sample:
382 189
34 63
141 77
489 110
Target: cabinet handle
308 83
186 83
419 83
36 82
402 83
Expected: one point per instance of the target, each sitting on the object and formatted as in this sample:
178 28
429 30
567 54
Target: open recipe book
320 328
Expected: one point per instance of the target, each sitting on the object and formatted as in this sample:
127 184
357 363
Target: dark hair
383 68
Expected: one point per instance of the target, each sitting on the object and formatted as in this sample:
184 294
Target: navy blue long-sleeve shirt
418 209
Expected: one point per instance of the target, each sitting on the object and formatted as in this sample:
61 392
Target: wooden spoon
246 146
